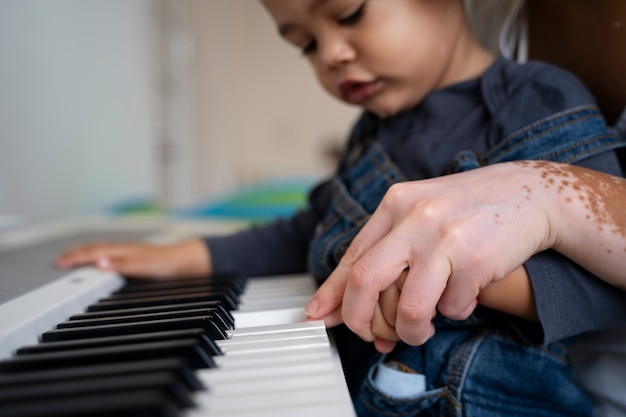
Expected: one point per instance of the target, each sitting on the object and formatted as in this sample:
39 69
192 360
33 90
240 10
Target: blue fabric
473 368
356 194
566 137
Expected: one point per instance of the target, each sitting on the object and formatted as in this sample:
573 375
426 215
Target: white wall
289 119
91 90
259 112
78 82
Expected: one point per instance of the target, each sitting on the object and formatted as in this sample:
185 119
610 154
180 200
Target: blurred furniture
589 39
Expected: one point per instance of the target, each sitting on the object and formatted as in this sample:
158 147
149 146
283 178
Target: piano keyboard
92 344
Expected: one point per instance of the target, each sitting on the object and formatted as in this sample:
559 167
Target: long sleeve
277 248
569 299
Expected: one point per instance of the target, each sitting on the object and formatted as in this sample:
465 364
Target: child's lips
358 92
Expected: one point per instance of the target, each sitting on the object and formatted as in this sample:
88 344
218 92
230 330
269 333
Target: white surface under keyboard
25 318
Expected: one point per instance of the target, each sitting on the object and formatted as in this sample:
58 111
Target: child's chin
384 112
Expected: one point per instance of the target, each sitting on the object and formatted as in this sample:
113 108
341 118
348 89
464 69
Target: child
434 101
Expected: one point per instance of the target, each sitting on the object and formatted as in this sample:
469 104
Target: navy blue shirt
471 115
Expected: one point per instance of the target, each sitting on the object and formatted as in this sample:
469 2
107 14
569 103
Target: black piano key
188 349
228 317
131 318
205 342
208 323
177 366
237 282
144 403
220 321
168 292
229 299
166 382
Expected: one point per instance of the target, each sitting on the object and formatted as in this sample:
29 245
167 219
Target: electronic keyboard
94 344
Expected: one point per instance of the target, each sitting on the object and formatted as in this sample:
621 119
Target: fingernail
312 308
104 263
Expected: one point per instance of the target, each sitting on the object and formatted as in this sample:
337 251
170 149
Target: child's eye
353 18
309 48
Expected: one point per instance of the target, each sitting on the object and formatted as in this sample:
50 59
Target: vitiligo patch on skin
601 194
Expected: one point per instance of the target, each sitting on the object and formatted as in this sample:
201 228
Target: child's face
384 55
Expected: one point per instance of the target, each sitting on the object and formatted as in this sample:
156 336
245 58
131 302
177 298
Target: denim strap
355 195
620 126
566 137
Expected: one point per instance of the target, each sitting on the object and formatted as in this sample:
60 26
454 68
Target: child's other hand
137 259
384 320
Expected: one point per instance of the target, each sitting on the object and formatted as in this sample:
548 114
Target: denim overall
475 367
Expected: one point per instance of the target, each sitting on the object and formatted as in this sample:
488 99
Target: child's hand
384 320
137 259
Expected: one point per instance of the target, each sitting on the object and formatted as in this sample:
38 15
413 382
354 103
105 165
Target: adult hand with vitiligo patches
462 239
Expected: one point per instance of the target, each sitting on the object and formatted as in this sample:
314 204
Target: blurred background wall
106 101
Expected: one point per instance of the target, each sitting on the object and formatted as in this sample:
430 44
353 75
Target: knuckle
427 212
458 239
414 313
395 196
358 277
453 233
451 311
353 253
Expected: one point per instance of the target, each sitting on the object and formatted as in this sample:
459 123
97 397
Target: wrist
191 258
539 184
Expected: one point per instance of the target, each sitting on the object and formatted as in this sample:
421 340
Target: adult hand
454 234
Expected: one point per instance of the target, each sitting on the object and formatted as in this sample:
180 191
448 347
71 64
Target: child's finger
422 289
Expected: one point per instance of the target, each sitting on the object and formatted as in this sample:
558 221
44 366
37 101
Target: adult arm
474 228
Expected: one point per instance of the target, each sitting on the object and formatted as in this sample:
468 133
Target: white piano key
289 331
271 342
288 301
268 317
313 353
268 384
265 371
273 283
293 326
323 408
256 403
275 345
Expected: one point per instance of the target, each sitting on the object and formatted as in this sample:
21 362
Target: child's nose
337 51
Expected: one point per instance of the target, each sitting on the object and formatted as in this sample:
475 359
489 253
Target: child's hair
501 26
